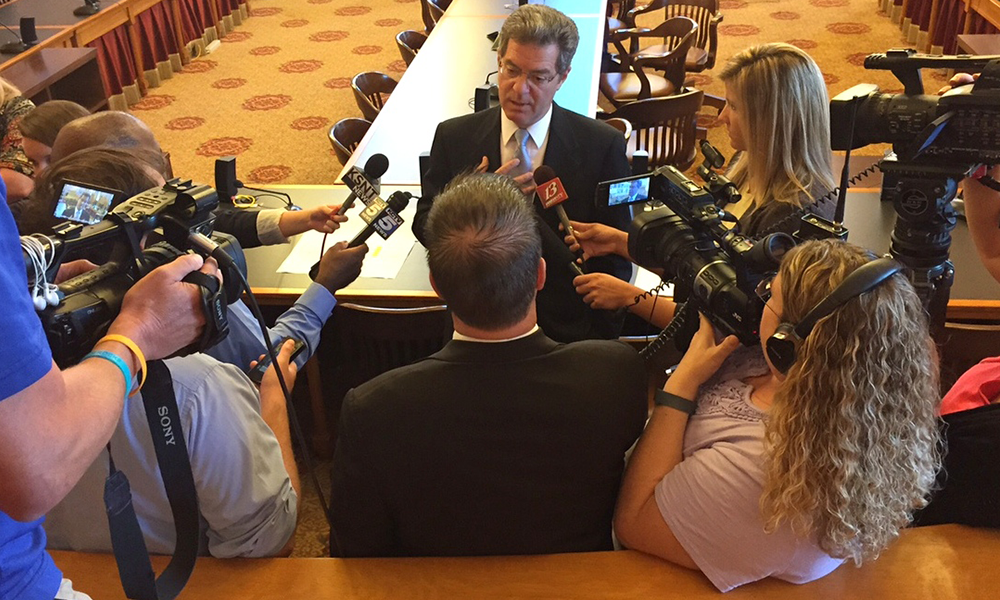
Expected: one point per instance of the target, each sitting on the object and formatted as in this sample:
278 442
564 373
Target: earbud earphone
43 293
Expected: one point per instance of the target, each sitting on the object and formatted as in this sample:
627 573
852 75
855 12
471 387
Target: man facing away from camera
504 442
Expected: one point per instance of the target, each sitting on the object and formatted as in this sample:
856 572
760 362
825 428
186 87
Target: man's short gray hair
541 25
483 250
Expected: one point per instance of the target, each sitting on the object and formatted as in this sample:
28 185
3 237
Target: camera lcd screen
628 192
82 204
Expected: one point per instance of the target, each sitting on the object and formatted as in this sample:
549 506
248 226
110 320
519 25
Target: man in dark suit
504 442
536 47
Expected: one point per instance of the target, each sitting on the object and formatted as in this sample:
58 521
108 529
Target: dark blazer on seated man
504 442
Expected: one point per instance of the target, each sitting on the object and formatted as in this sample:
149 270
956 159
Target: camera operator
52 422
748 469
117 169
777 116
970 410
238 440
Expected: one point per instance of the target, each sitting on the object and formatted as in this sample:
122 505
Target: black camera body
715 267
960 127
90 302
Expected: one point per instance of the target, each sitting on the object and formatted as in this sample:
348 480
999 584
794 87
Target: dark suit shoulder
461 125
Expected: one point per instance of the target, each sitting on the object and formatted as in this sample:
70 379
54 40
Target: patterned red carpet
272 90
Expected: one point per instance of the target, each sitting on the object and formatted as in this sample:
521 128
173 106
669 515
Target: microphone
554 247
382 217
551 192
375 168
25 40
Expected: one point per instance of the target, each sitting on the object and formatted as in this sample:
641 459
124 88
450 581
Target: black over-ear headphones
782 346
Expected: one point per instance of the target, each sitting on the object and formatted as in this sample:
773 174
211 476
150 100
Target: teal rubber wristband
674 401
116 361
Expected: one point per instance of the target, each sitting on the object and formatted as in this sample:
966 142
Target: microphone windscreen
544 173
376 166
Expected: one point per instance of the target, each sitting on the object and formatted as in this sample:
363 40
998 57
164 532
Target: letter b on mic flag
552 193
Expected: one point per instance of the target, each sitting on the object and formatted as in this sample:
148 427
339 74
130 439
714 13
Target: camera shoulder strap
134 567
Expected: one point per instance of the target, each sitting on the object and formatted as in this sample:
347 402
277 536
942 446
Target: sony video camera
717 268
180 213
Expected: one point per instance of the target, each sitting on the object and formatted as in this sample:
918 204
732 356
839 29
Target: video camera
937 140
959 128
182 211
715 267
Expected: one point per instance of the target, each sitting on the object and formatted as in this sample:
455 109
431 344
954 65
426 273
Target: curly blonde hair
782 95
852 438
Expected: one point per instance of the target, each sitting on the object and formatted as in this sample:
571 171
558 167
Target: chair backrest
409 42
373 340
703 12
345 136
664 127
621 125
677 35
436 8
371 90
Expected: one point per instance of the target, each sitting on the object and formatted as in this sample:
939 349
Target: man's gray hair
483 250
541 25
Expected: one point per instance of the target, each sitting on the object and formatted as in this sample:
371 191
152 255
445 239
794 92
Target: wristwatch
662 398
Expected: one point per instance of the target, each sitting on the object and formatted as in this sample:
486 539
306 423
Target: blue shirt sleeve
24 354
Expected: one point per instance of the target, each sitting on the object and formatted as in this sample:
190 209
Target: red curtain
156 35
196 17
227 7
919 13
114 57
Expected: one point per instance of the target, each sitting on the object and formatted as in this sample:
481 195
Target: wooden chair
368 341
634 82
664 127
621 125
617 10
409 42
345 136
705 13
431 12
371 91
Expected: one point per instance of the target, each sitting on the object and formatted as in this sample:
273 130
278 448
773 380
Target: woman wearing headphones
778 117
784 463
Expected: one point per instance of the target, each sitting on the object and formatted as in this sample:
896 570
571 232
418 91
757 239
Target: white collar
537 131
464 338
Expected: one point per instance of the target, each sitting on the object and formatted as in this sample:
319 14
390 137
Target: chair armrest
715 102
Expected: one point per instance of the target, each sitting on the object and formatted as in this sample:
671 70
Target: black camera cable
208 246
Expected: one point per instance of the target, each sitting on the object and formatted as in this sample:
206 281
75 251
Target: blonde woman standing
746 471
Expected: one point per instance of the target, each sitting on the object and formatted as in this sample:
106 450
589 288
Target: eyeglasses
763 289
535 79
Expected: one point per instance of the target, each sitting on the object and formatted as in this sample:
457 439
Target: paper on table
384 259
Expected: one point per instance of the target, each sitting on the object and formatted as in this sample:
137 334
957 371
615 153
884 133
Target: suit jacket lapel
486 138
562 153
